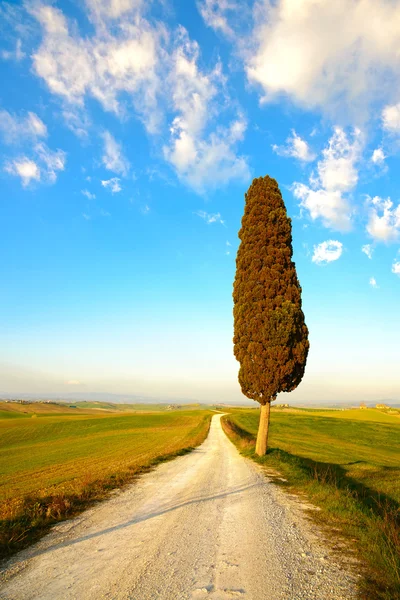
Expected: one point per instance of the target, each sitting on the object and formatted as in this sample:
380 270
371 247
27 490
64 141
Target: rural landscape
199 333
338 468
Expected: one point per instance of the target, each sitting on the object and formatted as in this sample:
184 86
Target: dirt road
206 526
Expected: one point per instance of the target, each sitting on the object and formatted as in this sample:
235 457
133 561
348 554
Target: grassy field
348 463
57 460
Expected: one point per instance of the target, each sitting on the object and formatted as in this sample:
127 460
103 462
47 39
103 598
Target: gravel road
206 526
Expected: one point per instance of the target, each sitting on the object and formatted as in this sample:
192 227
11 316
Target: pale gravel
207 526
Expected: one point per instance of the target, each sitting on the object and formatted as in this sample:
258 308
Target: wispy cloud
372 282
368 250
88 194
113 157
52 161
77 120
112 184
16 54
44 165
119 60
16 129
145 209
216 14
210 217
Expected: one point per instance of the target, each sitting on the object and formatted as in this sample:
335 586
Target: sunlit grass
349 465
53 467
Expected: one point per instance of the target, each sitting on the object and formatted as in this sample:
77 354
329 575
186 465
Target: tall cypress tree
270 335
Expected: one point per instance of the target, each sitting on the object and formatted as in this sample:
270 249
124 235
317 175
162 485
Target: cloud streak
113 158
17 129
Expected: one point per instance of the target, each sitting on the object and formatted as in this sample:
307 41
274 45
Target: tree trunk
262 435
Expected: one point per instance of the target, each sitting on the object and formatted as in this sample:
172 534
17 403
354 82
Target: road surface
206 526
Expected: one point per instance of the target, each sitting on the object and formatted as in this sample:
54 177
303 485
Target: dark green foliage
270 335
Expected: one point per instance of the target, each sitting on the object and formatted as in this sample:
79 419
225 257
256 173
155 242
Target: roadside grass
350 468
53 468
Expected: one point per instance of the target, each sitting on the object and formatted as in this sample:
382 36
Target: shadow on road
146 517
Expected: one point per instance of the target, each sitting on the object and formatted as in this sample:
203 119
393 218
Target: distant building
381 406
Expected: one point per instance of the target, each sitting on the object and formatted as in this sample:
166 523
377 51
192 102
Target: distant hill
99 397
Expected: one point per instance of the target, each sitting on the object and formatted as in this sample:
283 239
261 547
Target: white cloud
391 118
296 147
17 129
372 282
337 170
337 174
112 184
228 243
214 13
327 252
113 158
368 250
202 158
112 65
328 205
24 168
88 194
127 61
378 156
73 382
113 9
44 167
384 219
210 217
396 268
328 55
86 216
104 213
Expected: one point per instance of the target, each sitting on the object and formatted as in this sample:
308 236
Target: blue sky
129 133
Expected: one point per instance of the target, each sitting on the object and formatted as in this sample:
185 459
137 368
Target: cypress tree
270 334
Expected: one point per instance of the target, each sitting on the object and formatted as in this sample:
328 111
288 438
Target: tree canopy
270 334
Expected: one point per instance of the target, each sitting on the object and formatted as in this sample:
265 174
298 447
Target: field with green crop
348 463
55 461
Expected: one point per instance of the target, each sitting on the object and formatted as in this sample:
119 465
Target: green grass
348 463
8 414
54 467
